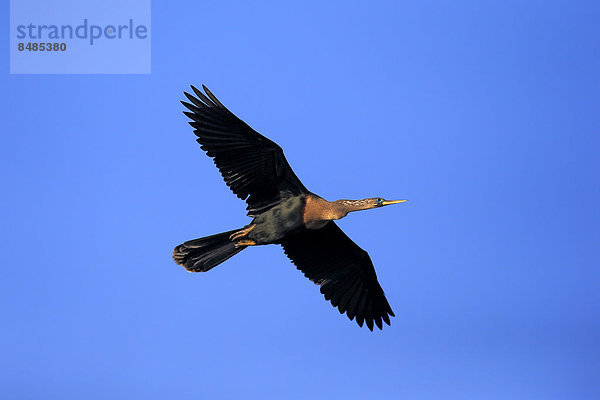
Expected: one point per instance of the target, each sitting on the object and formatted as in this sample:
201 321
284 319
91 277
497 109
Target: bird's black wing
344 271
253 166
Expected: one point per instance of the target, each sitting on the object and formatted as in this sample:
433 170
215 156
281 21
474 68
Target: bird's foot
241 233
245 242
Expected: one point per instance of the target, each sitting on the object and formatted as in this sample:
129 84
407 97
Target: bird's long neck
352 205
319 209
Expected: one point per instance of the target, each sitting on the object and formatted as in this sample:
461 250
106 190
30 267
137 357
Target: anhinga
284 212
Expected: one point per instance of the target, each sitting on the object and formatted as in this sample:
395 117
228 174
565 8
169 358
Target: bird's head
379 202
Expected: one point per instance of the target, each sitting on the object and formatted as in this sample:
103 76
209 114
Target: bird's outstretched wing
253 166
344 271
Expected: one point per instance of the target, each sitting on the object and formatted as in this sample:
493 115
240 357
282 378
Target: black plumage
284 212
253 166
344 271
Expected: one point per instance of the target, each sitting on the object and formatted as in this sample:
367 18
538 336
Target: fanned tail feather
200 255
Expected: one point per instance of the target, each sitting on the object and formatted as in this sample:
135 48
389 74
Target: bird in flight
283 212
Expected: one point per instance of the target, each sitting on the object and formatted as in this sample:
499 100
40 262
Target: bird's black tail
200 255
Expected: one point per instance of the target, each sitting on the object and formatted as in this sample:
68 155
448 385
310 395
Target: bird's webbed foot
242 232
245 242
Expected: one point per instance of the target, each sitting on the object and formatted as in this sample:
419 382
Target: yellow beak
388 202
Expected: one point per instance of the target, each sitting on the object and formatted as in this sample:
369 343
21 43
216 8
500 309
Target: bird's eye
379 201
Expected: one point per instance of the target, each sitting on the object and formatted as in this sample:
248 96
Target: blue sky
485 116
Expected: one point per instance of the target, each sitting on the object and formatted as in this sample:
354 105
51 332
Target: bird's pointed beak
388 202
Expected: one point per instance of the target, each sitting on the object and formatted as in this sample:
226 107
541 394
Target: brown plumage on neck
317 210
347 206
